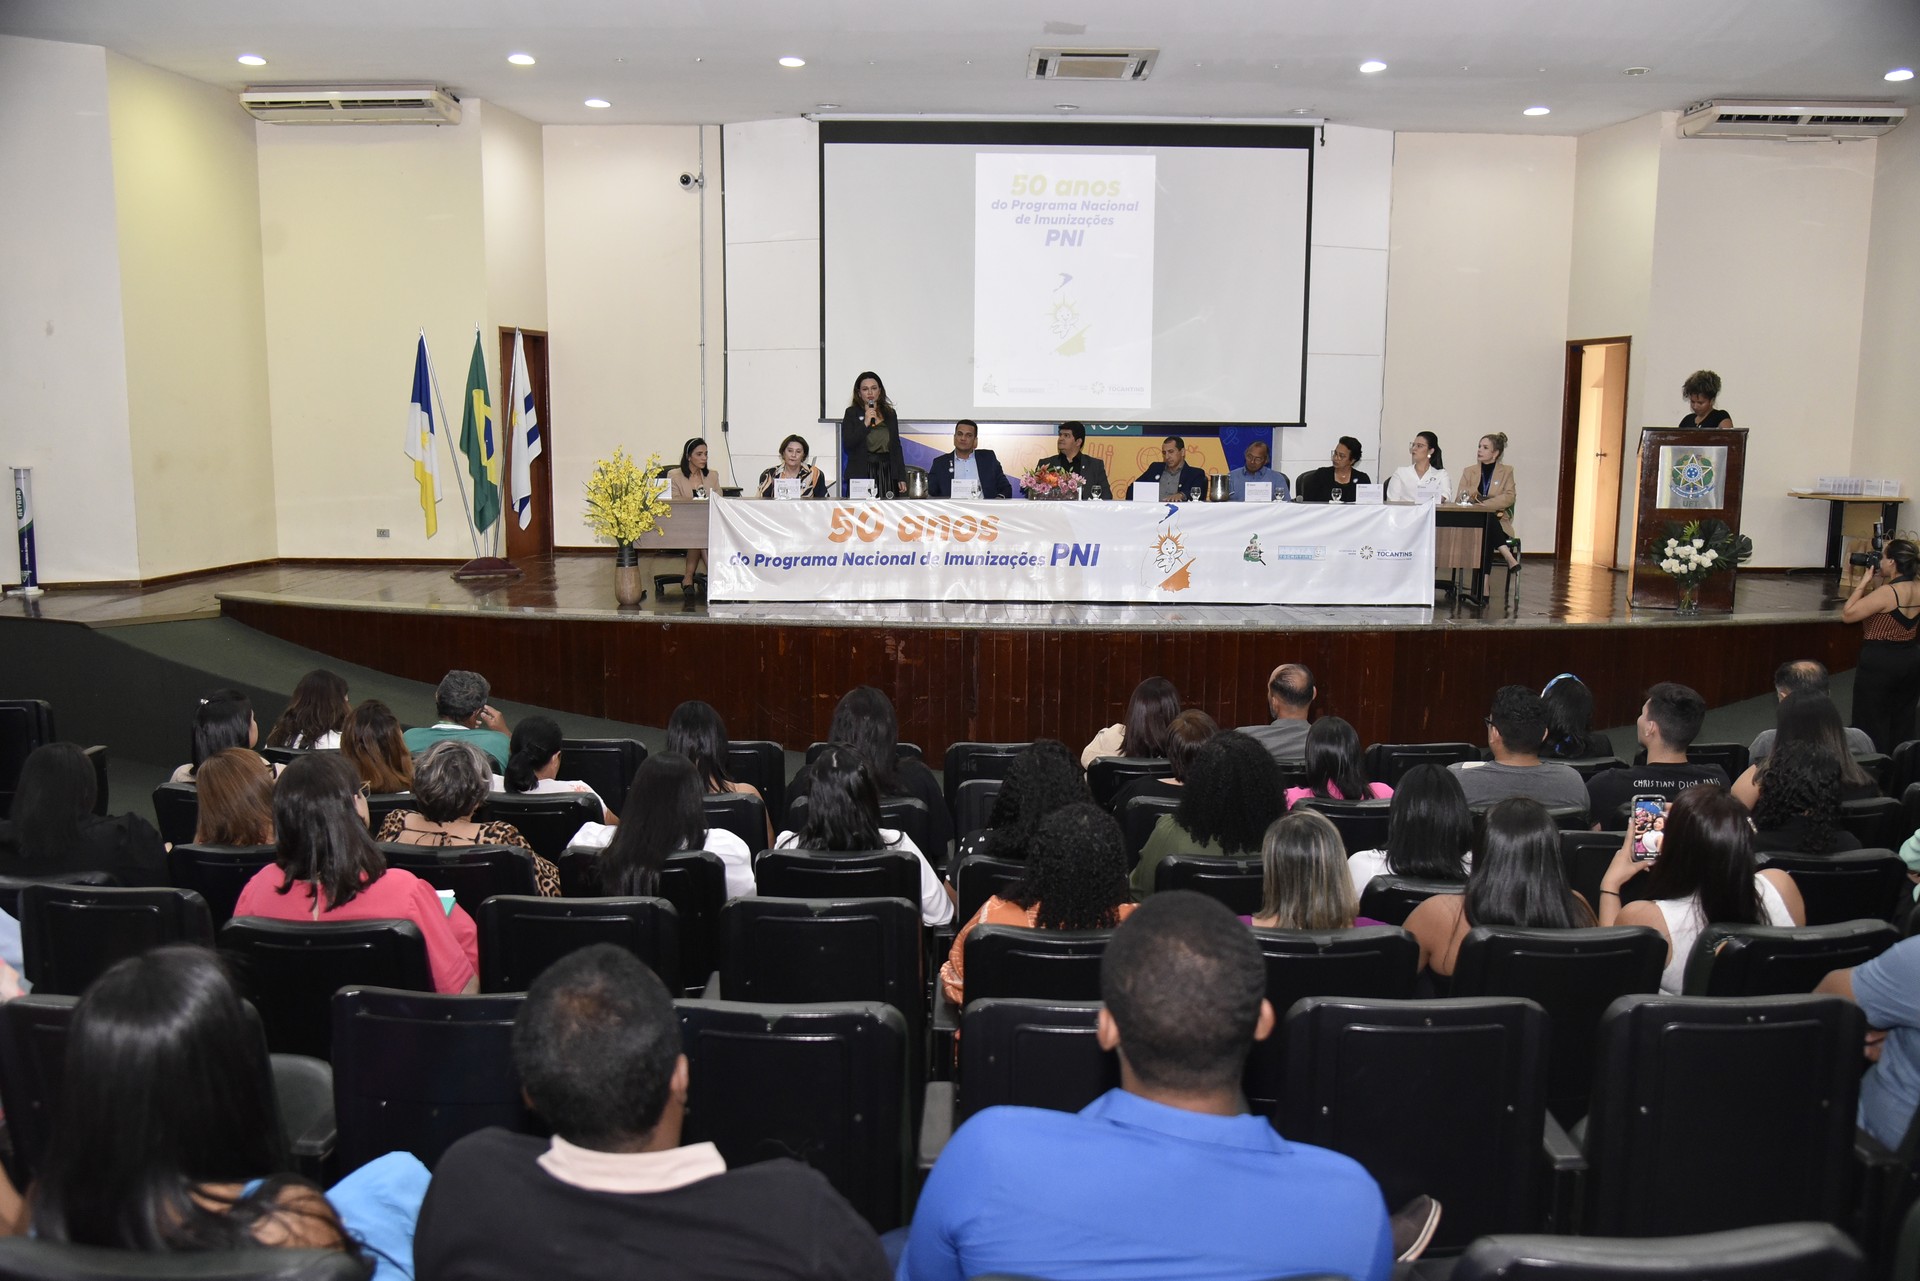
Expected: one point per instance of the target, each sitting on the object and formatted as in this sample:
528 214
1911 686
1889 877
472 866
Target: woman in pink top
329 869
1333 765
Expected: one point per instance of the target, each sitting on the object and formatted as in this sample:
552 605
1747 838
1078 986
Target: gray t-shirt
1857 742
1286 739
1549 782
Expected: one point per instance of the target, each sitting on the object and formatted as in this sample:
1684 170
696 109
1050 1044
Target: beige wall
1886 439
62 341
188 205
1477 304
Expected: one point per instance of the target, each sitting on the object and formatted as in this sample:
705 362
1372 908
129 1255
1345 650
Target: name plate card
794 488
1369 493
966 489
1259 491
860 488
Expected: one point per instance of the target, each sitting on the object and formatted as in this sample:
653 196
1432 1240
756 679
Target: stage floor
580 586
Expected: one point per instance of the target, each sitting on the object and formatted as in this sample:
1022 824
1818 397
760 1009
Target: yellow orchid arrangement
624 501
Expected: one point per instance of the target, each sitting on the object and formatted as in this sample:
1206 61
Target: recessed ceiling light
598 102
1066 106
1635 71
791 61
251 60
1372 65
520 59
1900 73
1537 111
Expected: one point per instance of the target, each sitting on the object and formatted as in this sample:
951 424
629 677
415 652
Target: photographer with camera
1887 605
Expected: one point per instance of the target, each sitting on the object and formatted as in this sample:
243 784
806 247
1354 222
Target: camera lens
1863 560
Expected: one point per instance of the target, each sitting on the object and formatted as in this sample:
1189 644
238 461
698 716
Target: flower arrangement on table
624 500
1696 550
1051 483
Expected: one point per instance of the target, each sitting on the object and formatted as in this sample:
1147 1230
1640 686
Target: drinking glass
1196 493
1095 492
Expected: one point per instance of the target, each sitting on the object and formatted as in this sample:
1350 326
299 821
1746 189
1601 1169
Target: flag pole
500 435
466 508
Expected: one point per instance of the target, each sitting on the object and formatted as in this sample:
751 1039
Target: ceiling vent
1090 64
1789 121
351 104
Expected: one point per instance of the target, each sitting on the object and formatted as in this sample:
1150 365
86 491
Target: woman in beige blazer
1491 485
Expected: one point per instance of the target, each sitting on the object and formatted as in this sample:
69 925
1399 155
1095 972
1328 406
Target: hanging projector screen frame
1062 134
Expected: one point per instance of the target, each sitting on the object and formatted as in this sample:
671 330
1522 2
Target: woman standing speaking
870 433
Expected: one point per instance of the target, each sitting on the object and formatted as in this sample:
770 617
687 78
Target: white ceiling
1454 65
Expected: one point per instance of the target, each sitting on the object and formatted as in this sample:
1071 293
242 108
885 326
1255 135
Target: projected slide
1063 280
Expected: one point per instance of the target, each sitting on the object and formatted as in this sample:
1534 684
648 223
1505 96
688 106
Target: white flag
420 442
523 429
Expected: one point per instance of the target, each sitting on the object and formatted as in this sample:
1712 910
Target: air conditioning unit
1090 64
1788 120
351 104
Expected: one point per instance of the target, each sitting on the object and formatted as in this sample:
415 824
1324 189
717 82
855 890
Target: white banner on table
1199 553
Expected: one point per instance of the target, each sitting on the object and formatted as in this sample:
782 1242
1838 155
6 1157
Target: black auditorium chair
1847 886
1362 824
1585 856
1731 757
1108 774
1443 1097
71 934
906 814
1375 961
1572 974
1876 821
1237 882
547 819
1909 811
10 886
694 881
607 765
903 751
837 874
824 1083
1391 899
973 805
291 969
474 873
1711 1114
31 1259
381 804
764 764
217 873
1010 960
977 878
742 813
1137 819
1587 766
522 935
1020 1052
282 755
1388 762
25 723
1903 770
416 1071
976 760
785 951
176 812
102 787
1566 818
1777 1252
1766 960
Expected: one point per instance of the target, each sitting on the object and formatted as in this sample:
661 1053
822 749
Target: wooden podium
1686 474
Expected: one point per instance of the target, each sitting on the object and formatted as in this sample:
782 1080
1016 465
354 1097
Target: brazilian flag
480 442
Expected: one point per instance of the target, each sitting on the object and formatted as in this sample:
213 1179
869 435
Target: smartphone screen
1649 819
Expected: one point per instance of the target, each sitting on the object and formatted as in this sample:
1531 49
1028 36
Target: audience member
1429 832
533 764
1804 676
1167 1175
696 731
1517 879
223 719
865 721
315 715
372 741
843 814
1570 732
1704 872
236 799
53 829
1803 717
1305 885
1334 769
1076 879
1798 809
1516 728
449 786
461 704
328 868
1187 733
1887 990
1041 779
1669 721
1232 795
663 816
1290 694
1143 735
613 1194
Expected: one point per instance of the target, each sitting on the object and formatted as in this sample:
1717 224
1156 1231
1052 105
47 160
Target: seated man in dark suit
1074 458
967 462
1175 479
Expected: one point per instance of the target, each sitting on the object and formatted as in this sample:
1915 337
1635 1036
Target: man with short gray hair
461 704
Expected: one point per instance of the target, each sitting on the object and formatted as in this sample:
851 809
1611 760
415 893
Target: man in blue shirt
1167 1176
968 463
1256 469
1887 990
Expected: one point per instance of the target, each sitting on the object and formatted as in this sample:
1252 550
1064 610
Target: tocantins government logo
1692 476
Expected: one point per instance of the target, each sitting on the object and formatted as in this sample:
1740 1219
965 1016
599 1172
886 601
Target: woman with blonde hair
1307 886
236 799
1490 484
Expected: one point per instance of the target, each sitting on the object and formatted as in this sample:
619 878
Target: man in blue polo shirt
1167 1176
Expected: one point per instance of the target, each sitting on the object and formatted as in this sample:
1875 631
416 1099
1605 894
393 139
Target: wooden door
536 540
1592 445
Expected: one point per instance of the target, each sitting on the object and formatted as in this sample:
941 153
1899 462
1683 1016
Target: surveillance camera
688 181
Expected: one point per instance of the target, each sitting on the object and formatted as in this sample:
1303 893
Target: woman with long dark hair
864 720
223 719
1798 809
53 828
1705 872
327 868
533 764
1334 769
696 731
1076 879
1143 735
1886 604
691 480
1424 479
1517 879
236 799
1039 781
371 740
870 434
1805 716
1232 795
663 816
843 815
315 714
1429 832
1570 732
